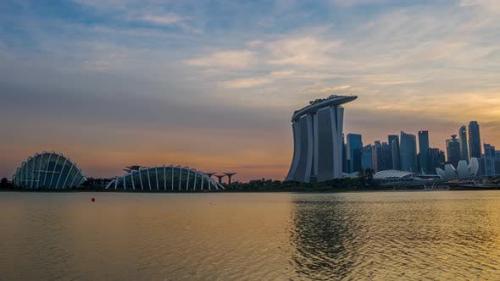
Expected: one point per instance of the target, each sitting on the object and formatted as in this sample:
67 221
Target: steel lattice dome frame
164 179
48 170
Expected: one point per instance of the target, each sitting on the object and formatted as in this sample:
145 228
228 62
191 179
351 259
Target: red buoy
93 199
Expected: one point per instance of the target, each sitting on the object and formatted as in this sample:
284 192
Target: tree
4 183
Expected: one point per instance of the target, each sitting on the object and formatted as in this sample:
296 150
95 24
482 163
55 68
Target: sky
213 84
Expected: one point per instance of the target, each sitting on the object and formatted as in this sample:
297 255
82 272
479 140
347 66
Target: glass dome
164 179
48 170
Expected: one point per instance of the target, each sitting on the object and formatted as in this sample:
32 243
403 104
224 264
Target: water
260 236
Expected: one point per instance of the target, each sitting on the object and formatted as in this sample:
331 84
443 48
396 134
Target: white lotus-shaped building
463 170
164 179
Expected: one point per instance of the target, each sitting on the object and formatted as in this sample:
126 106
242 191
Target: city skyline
413 153
212 85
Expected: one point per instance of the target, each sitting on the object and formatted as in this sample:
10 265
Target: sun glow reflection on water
254 236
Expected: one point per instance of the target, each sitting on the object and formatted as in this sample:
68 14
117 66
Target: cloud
105 58
328 90
282 73
295 50
230 59
161 19
303 51
492 6
150 12
351 3
281 59
246 82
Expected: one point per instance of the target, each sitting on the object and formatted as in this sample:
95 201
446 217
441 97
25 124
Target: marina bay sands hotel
317 136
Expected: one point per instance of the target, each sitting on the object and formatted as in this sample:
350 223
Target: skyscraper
437 159
489 160
381 155
317 135
345 162
497 162
408 149
464 146
474 140
386 161
367 158
354 149
377 156
453 150
423 151
395 154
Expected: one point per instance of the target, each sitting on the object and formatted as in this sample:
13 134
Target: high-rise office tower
464 146
386 161
381 156
345 161
408 150
453 150
437 159
377 156
317 136
474 140
497 162
367 157
489 160
395 154
423 151
354 147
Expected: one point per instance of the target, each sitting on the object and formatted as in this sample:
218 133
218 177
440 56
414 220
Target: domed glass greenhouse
48 170
164 179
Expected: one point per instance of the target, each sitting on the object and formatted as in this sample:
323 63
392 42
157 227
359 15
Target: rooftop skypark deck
320 103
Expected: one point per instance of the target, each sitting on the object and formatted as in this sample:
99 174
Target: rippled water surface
264 236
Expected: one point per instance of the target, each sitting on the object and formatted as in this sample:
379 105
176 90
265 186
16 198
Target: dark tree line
6 184
363 182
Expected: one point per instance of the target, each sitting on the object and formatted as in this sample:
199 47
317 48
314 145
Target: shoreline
267 191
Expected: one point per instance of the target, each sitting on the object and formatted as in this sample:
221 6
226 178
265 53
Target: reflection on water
323 239
394 236
264 236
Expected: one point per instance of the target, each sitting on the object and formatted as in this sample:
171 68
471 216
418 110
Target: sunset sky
213 84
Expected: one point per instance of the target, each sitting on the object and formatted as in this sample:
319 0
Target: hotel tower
317 134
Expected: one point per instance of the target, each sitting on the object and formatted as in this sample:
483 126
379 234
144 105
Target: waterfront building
377 156
474 140
464 146
317 134
497 162
386 157
345 162
453 150
463 171
489 160
395 175
395 154
382 158
354 149
165 179
437 158
482 168
48 170
423 151
408 149
367 158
